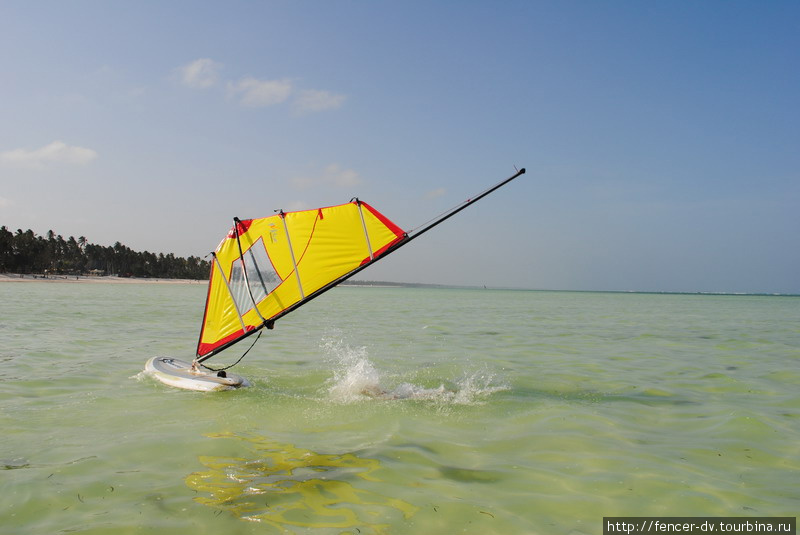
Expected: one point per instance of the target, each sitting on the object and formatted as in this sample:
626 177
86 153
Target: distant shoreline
113 279
91 279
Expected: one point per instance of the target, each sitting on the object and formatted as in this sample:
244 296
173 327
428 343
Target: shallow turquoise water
504 412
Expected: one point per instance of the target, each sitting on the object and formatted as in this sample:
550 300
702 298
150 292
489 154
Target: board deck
179 373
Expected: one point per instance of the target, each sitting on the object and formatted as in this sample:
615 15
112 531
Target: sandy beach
90 279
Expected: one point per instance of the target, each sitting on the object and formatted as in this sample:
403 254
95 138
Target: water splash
355 378
142 376
354 375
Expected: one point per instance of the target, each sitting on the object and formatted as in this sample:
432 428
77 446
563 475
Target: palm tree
6 249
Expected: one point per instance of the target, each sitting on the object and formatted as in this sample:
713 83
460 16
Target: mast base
191 376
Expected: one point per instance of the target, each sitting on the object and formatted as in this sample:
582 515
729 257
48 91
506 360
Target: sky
661 139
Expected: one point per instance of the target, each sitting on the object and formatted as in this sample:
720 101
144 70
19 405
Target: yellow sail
266 267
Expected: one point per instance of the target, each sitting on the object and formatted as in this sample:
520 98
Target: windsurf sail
265 268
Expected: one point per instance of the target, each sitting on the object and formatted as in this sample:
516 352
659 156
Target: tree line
25 252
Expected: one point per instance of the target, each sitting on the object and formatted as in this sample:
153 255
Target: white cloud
433 194
256 93
200 73
56 152
311 100
303 182
332 175
5 203
341 178
296 206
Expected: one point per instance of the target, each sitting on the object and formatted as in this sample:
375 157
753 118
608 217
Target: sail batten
291 254
366 232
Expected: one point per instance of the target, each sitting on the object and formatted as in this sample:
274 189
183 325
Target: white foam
141 376
355 378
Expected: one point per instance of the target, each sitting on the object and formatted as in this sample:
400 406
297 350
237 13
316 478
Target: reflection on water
286 486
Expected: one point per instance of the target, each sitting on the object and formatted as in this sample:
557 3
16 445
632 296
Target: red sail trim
383 219
383 249
205 310
204 349
241 227
400 233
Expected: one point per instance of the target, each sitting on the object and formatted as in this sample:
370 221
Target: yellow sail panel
266 266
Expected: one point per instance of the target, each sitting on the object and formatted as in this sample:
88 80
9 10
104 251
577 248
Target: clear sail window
260 274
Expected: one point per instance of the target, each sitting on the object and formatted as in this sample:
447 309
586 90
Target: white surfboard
179 373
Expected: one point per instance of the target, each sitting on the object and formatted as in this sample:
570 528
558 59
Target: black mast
407 239
456 210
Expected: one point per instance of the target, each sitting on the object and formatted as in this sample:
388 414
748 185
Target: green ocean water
500 412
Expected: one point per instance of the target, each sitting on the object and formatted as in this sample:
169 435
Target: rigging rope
240 358
459 205
431 220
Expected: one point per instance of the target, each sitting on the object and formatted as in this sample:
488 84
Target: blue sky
661 139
